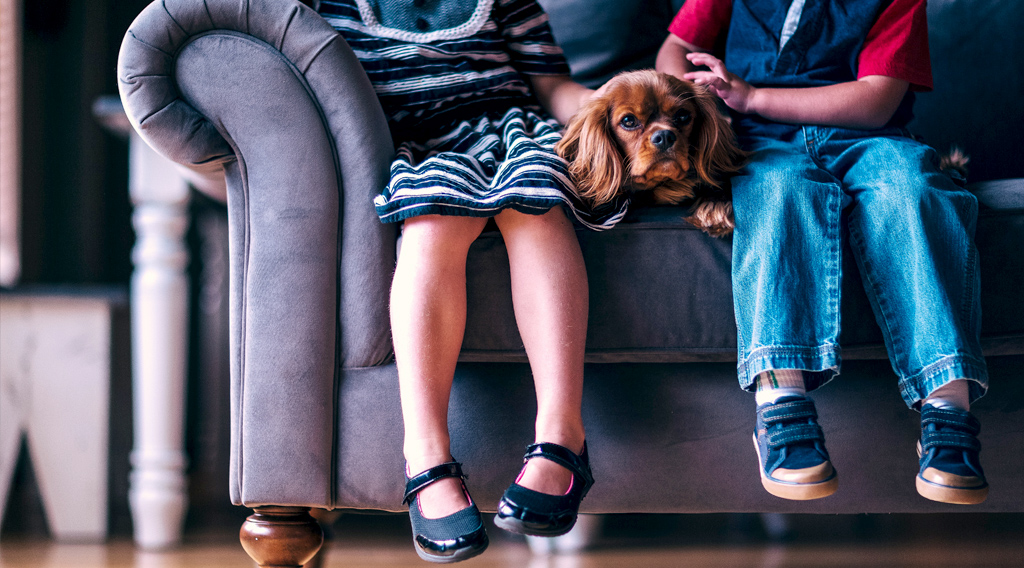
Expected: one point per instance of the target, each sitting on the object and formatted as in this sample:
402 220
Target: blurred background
66 225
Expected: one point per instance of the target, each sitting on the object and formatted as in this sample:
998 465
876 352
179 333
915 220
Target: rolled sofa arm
269 93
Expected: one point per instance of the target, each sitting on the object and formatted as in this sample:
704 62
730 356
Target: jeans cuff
916 388
821 363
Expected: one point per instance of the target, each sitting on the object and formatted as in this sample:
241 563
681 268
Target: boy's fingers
718 86
705 78
712 62
702 55
702 58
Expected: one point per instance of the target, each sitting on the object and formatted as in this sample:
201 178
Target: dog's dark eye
629 122
682 117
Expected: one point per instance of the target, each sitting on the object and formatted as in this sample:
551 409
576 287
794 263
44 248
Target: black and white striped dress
472 139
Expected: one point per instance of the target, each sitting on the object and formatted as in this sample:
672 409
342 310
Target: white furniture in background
55 353
160 192
159 312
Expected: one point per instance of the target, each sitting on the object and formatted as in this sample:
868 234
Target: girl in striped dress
471 90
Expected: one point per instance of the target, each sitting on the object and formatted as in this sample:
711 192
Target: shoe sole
514 525
951 495
795 491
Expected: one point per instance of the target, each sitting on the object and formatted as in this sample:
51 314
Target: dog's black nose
663 139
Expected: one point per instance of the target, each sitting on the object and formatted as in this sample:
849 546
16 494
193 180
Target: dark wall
76 216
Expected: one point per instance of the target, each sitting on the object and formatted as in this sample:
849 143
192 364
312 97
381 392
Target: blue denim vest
823 49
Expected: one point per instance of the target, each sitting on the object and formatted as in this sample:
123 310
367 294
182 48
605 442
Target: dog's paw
713 217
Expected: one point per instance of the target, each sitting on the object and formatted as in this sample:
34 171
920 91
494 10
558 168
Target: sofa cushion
660 290
603 37
641 307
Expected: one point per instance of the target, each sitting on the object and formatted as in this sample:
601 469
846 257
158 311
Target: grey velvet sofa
264 96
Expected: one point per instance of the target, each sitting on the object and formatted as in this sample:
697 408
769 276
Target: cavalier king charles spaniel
657 138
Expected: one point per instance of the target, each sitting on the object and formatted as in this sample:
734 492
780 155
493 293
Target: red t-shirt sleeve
701 22
897 45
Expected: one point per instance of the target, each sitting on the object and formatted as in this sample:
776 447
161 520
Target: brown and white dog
651 132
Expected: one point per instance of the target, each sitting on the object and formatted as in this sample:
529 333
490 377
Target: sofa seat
660 290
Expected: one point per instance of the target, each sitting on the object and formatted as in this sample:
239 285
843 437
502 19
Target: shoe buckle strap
418 482
795 433
953 418
787 411
949 439
562 456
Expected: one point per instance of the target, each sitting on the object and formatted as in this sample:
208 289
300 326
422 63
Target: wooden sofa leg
281 537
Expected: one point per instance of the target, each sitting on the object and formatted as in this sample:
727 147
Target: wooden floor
713 541
121 555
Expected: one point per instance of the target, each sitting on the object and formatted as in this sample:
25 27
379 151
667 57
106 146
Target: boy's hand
735 92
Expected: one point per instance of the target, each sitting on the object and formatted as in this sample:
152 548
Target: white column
159 307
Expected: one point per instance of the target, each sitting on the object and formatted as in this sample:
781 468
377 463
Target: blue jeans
911 229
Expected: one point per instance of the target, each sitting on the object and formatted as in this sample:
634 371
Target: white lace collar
466 29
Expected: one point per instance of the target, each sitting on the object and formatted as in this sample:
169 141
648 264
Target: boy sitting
821 93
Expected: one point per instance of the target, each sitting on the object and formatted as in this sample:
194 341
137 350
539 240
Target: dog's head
652 131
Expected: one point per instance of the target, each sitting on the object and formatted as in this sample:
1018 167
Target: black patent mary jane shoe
454 538
524 511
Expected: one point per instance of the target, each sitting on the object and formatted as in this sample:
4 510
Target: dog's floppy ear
717 154
592 152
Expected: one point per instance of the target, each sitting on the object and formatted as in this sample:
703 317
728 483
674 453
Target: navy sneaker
791 450
948 449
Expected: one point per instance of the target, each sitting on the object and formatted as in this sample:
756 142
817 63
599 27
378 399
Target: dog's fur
955 160
658 137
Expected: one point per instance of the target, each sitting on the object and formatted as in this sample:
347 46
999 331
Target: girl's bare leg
550 295
428 319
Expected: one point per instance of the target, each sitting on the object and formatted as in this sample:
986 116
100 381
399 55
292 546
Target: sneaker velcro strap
959 419
789 411
562 456
795 433
949 439
417 482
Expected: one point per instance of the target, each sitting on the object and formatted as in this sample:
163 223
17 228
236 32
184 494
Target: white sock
773 385
954 394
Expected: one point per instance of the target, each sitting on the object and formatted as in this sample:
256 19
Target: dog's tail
955 160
